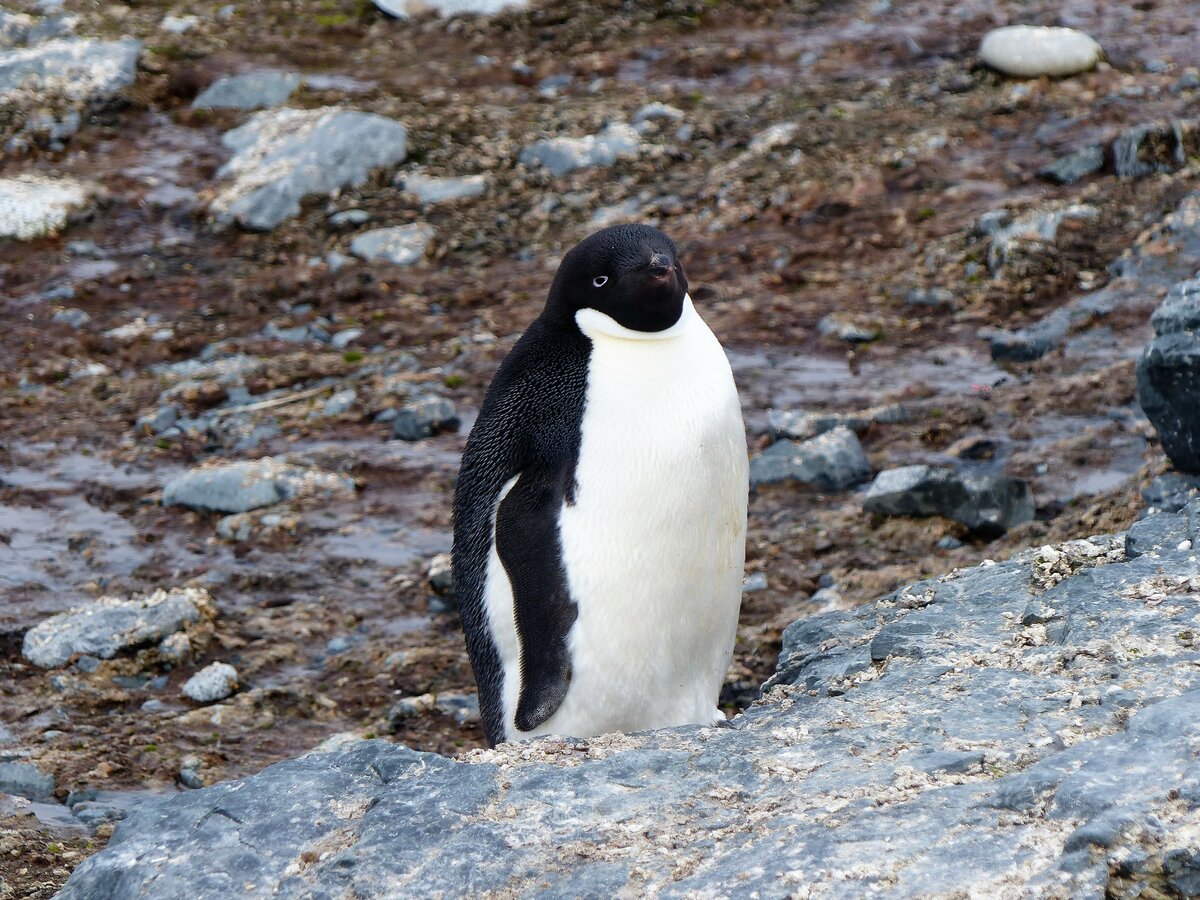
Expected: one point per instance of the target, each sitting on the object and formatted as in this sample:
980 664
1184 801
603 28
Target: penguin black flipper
529 429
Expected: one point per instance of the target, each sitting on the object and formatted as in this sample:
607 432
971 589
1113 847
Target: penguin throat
595 324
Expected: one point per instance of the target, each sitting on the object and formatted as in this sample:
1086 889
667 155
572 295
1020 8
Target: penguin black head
630 273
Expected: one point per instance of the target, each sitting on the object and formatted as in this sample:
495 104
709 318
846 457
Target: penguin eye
600 281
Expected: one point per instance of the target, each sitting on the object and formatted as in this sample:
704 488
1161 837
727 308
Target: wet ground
902 143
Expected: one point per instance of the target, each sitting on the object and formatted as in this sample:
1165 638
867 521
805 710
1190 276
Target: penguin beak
660 267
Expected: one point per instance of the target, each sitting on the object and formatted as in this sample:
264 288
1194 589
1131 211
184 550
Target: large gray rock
928 745
1168 376
76 70
111 625
241 486
562 155
988 504
282 156
253 90
832 461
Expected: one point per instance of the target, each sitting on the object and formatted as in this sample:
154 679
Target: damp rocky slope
1024 727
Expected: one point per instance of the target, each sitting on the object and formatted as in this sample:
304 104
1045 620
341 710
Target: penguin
600 507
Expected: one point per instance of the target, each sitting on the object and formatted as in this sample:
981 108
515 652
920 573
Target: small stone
74 318
349 217
831 461
441 575
756 581
242 486
110 625
1076 166
32 206
562 155
340 403
988 504
933 297
237 527
773 137
190 779
949 542
430 190
1031 51
339 644
343 339
158 421
403 9
400 245
178 24
24 780
254 90
424 419
214 682
844 329
661 111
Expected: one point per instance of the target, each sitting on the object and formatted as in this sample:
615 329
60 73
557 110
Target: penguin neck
596 324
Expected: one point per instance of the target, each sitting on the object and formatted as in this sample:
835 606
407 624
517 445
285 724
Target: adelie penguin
600 512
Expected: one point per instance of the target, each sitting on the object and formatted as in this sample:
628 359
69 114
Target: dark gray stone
1031 343
242 486
1160 147
988 504
832 461
1171 492
1168 380
424 419
1164 531
850 779
1180 311
1072 168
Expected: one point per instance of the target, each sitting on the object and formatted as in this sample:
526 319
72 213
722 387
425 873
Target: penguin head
631 273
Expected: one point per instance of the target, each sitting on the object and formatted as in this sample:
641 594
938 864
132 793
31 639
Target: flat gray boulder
112 625
72 69
253 90
241 486
988 504
930 744
282 156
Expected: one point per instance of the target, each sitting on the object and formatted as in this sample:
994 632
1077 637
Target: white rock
214 682
401 245
32 206
179 24
71 69
1030 51
563 155
657 111
775 136
428 189
403 9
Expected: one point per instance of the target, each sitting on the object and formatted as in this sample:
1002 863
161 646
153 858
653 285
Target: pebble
831 461
562 155
400 245
428 189
403 9
350 217
33 206
425 418
1031 51
241 486
1074 167
254 90
340 403
838 326
73 318
190 779
215 681
756 581
342 339
441 575
660 111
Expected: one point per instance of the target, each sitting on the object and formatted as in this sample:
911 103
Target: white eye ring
600 281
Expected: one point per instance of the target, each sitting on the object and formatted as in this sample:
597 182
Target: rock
775 136
344 339
215 681
1030 51
1076 166
1168 376
400 245
463 708
754 582
158 421
430 190
1160 147
254 90
987 504
934 297
986 759
847 329
424 419
831 461
175 647
282 156
441 575
1036 228
72 318
1171 492
32 206
1028 344
24 780
350 217
190 779
340 403
562 155
657 111
241 486
1161 532
403 9
800 425
72 70
337 741
110 625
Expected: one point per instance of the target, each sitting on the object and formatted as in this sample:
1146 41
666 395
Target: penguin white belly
654 545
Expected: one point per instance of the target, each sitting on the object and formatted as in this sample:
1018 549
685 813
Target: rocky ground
865 221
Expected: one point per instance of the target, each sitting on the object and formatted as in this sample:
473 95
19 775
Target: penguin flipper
528 544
